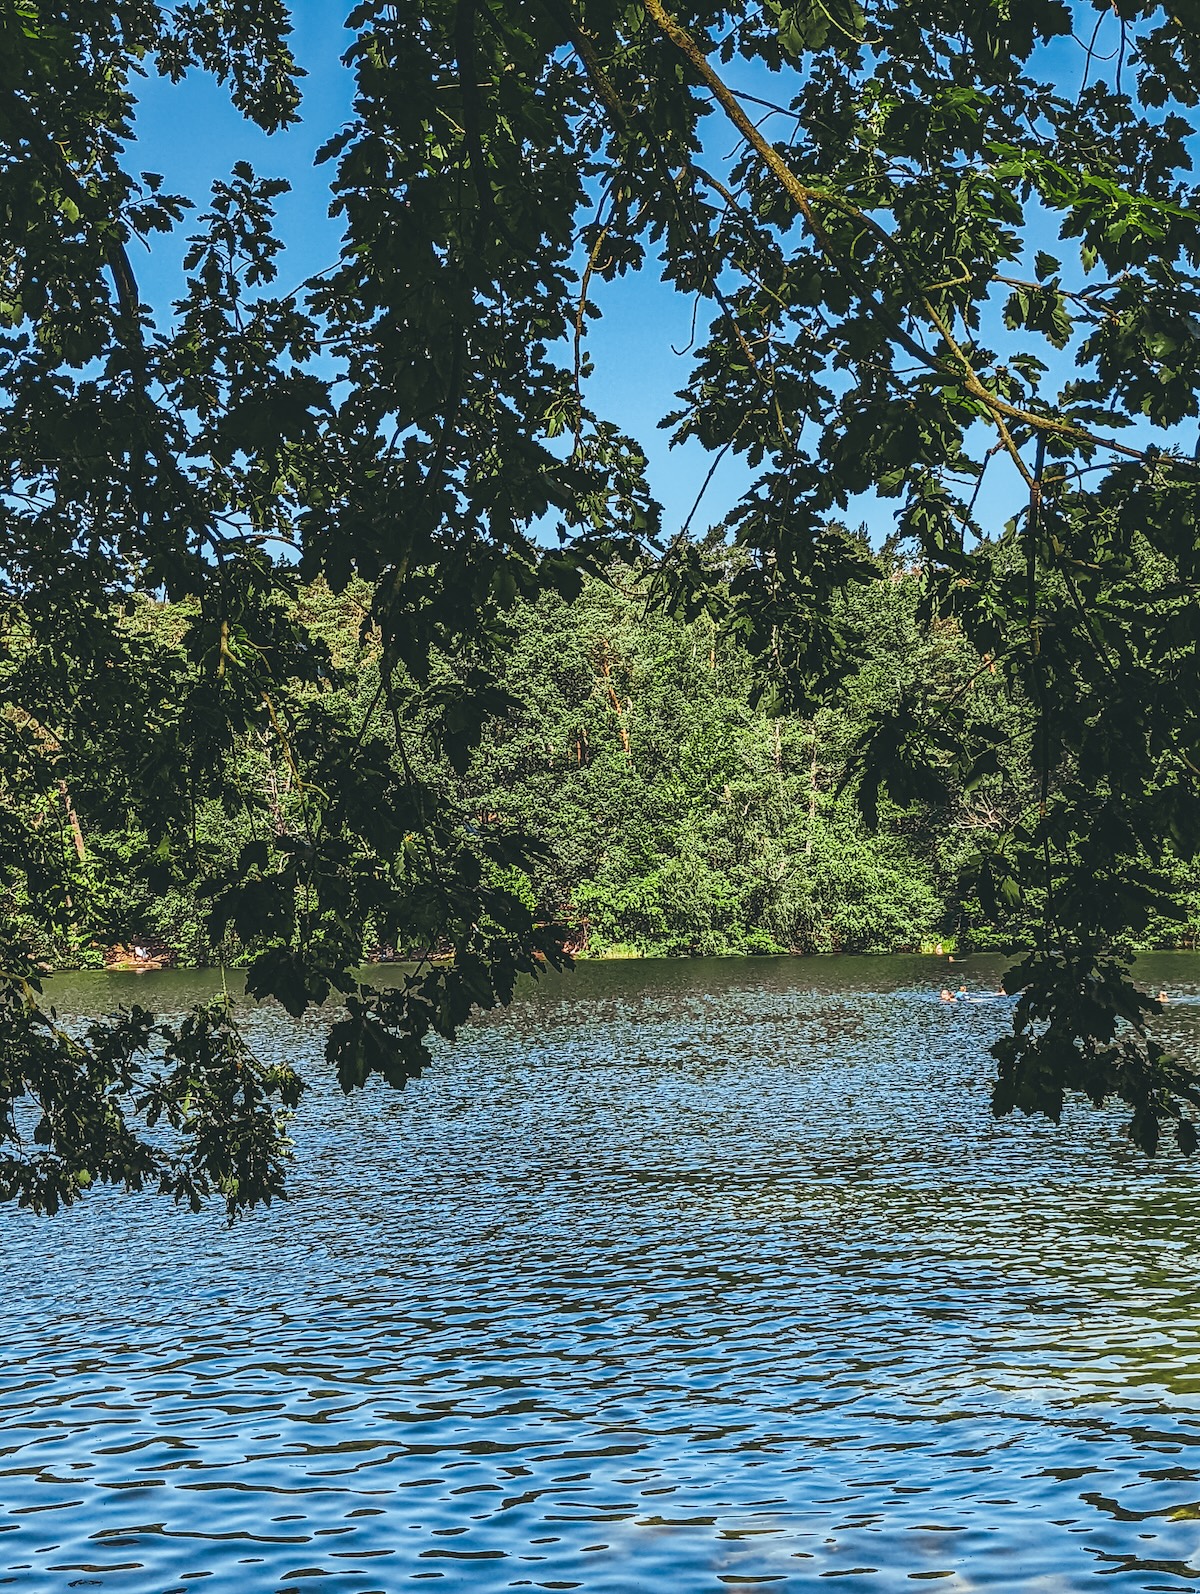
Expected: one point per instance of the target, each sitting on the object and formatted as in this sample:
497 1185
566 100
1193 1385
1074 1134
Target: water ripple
691 1276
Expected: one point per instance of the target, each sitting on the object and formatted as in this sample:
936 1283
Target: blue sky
190 133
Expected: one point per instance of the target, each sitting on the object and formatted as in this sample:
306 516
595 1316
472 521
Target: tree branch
806 199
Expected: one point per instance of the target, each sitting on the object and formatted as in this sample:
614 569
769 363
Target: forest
667 807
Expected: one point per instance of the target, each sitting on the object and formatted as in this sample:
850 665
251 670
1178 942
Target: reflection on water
675 1276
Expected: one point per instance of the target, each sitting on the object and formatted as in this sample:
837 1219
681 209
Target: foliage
933 265
672 814
71 1105
677 817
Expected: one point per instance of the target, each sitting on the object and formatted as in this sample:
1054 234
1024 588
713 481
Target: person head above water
947 996
1162 996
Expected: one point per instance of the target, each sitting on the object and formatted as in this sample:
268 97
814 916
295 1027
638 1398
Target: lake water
674 1276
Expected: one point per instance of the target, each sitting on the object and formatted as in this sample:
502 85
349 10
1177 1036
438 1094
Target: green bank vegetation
672 810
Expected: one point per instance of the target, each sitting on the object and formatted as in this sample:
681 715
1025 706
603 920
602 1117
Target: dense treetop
944 252
671 815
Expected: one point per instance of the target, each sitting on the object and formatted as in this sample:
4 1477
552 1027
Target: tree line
666 807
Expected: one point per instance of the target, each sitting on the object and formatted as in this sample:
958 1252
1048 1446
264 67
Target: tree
928 265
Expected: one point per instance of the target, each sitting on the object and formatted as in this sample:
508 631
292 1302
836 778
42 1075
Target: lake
682 1276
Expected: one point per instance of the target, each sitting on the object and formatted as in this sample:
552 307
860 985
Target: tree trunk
73 821
622 724
812 796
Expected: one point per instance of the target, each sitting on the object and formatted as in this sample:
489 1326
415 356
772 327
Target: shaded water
674 1276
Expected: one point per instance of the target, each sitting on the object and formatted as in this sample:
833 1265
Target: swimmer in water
962 990
1163 998
947 996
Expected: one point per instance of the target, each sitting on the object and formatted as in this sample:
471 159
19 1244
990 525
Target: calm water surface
674 1276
